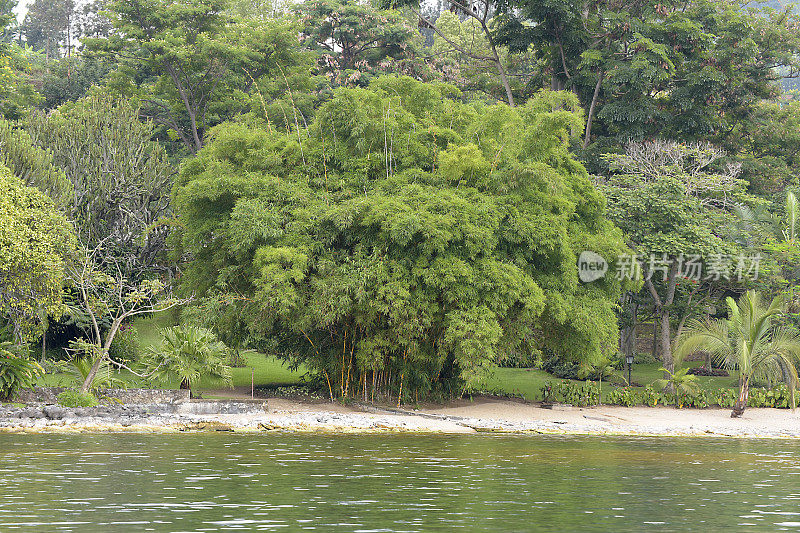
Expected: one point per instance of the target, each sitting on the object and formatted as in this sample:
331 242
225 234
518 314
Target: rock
54 412
31 412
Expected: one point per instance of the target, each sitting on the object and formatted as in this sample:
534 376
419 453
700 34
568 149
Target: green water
227 482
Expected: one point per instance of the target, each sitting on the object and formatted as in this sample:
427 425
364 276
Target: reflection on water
226 482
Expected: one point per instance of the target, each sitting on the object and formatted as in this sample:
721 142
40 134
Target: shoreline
461 417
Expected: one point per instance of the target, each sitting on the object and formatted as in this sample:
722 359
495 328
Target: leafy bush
569 370
630 397
650 397
708 371
520 359
16 372
236 359
561 369
187 354
698 399
578 393
725 397
125 346
73 398
779 397
626 396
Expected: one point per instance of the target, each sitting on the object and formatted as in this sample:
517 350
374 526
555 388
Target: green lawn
527 382
264 370
269 371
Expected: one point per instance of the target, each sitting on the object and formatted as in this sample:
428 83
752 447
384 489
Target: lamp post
629 360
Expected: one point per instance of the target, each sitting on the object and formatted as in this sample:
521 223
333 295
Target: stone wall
124 396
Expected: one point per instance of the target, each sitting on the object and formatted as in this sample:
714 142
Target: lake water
294 482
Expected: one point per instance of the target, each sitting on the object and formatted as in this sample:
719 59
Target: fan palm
680 381
750 341
185 354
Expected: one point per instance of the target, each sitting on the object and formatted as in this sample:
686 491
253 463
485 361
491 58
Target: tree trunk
662 313
666 345
590 116
87 383
741 403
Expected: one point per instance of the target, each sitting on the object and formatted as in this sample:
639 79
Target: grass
269 371
527 382
265 370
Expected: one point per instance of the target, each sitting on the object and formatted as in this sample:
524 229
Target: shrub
16 372
629 396
779 397
236 359
708 371
520 359
651 398
626 396
187 354
561 369
580 393
698 400
725 397
73 398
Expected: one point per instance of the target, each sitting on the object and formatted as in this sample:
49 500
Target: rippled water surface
227 482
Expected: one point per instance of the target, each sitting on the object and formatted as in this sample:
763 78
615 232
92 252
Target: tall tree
481 12
672 200
49 26
405 242
354 41
190 66
120 177
642 69
35 242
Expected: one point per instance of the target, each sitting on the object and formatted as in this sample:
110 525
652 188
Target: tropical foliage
35 240
185 355
404 241
16 372
750 341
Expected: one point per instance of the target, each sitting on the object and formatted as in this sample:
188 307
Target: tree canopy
403 234
35 242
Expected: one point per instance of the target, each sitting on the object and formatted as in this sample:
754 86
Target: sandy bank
483 415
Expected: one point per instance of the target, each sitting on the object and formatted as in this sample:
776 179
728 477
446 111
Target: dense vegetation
395 196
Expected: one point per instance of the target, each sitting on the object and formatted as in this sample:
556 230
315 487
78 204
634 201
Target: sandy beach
480 415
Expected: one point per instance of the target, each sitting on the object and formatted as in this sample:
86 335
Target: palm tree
186 353
679 381
749 341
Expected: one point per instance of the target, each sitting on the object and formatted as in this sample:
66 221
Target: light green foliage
750 341
34 241
84 355
455 47
187 354
73 398
670 198
34 166
679 381
404 240
119 177
578 393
